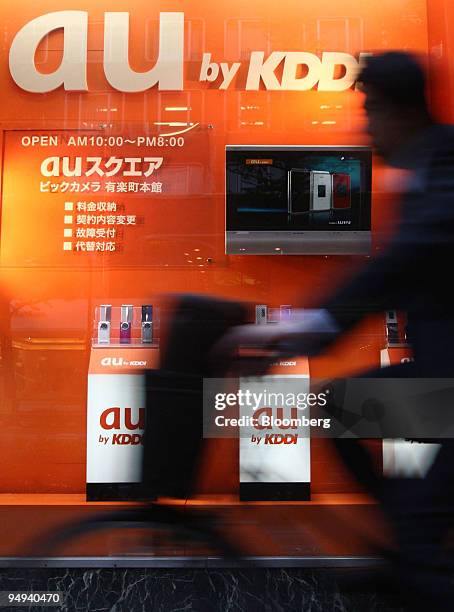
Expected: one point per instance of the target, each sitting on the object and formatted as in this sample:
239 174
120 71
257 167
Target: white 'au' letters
72 72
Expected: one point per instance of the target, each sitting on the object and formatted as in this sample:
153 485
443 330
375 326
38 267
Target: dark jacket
415 272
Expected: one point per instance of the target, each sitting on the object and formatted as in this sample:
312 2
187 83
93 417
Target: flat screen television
294 200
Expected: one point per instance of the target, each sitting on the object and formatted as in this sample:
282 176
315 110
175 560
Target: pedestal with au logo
275 461
116 420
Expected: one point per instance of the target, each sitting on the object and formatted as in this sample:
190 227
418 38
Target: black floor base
250 491
275 491
118 491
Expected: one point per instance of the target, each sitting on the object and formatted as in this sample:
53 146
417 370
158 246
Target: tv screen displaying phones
298 200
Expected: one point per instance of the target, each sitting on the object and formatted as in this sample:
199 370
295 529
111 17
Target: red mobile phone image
341 191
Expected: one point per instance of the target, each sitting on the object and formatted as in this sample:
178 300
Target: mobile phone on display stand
105 318
126 323
261 314
147 324
392 327
285 312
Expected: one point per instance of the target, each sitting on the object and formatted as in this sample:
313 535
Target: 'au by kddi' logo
115 419
120 362
320 70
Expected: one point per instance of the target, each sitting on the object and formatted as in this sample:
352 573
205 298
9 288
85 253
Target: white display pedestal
402 458
116 419
274 464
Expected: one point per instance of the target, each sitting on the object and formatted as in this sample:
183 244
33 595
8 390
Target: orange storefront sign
271 82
